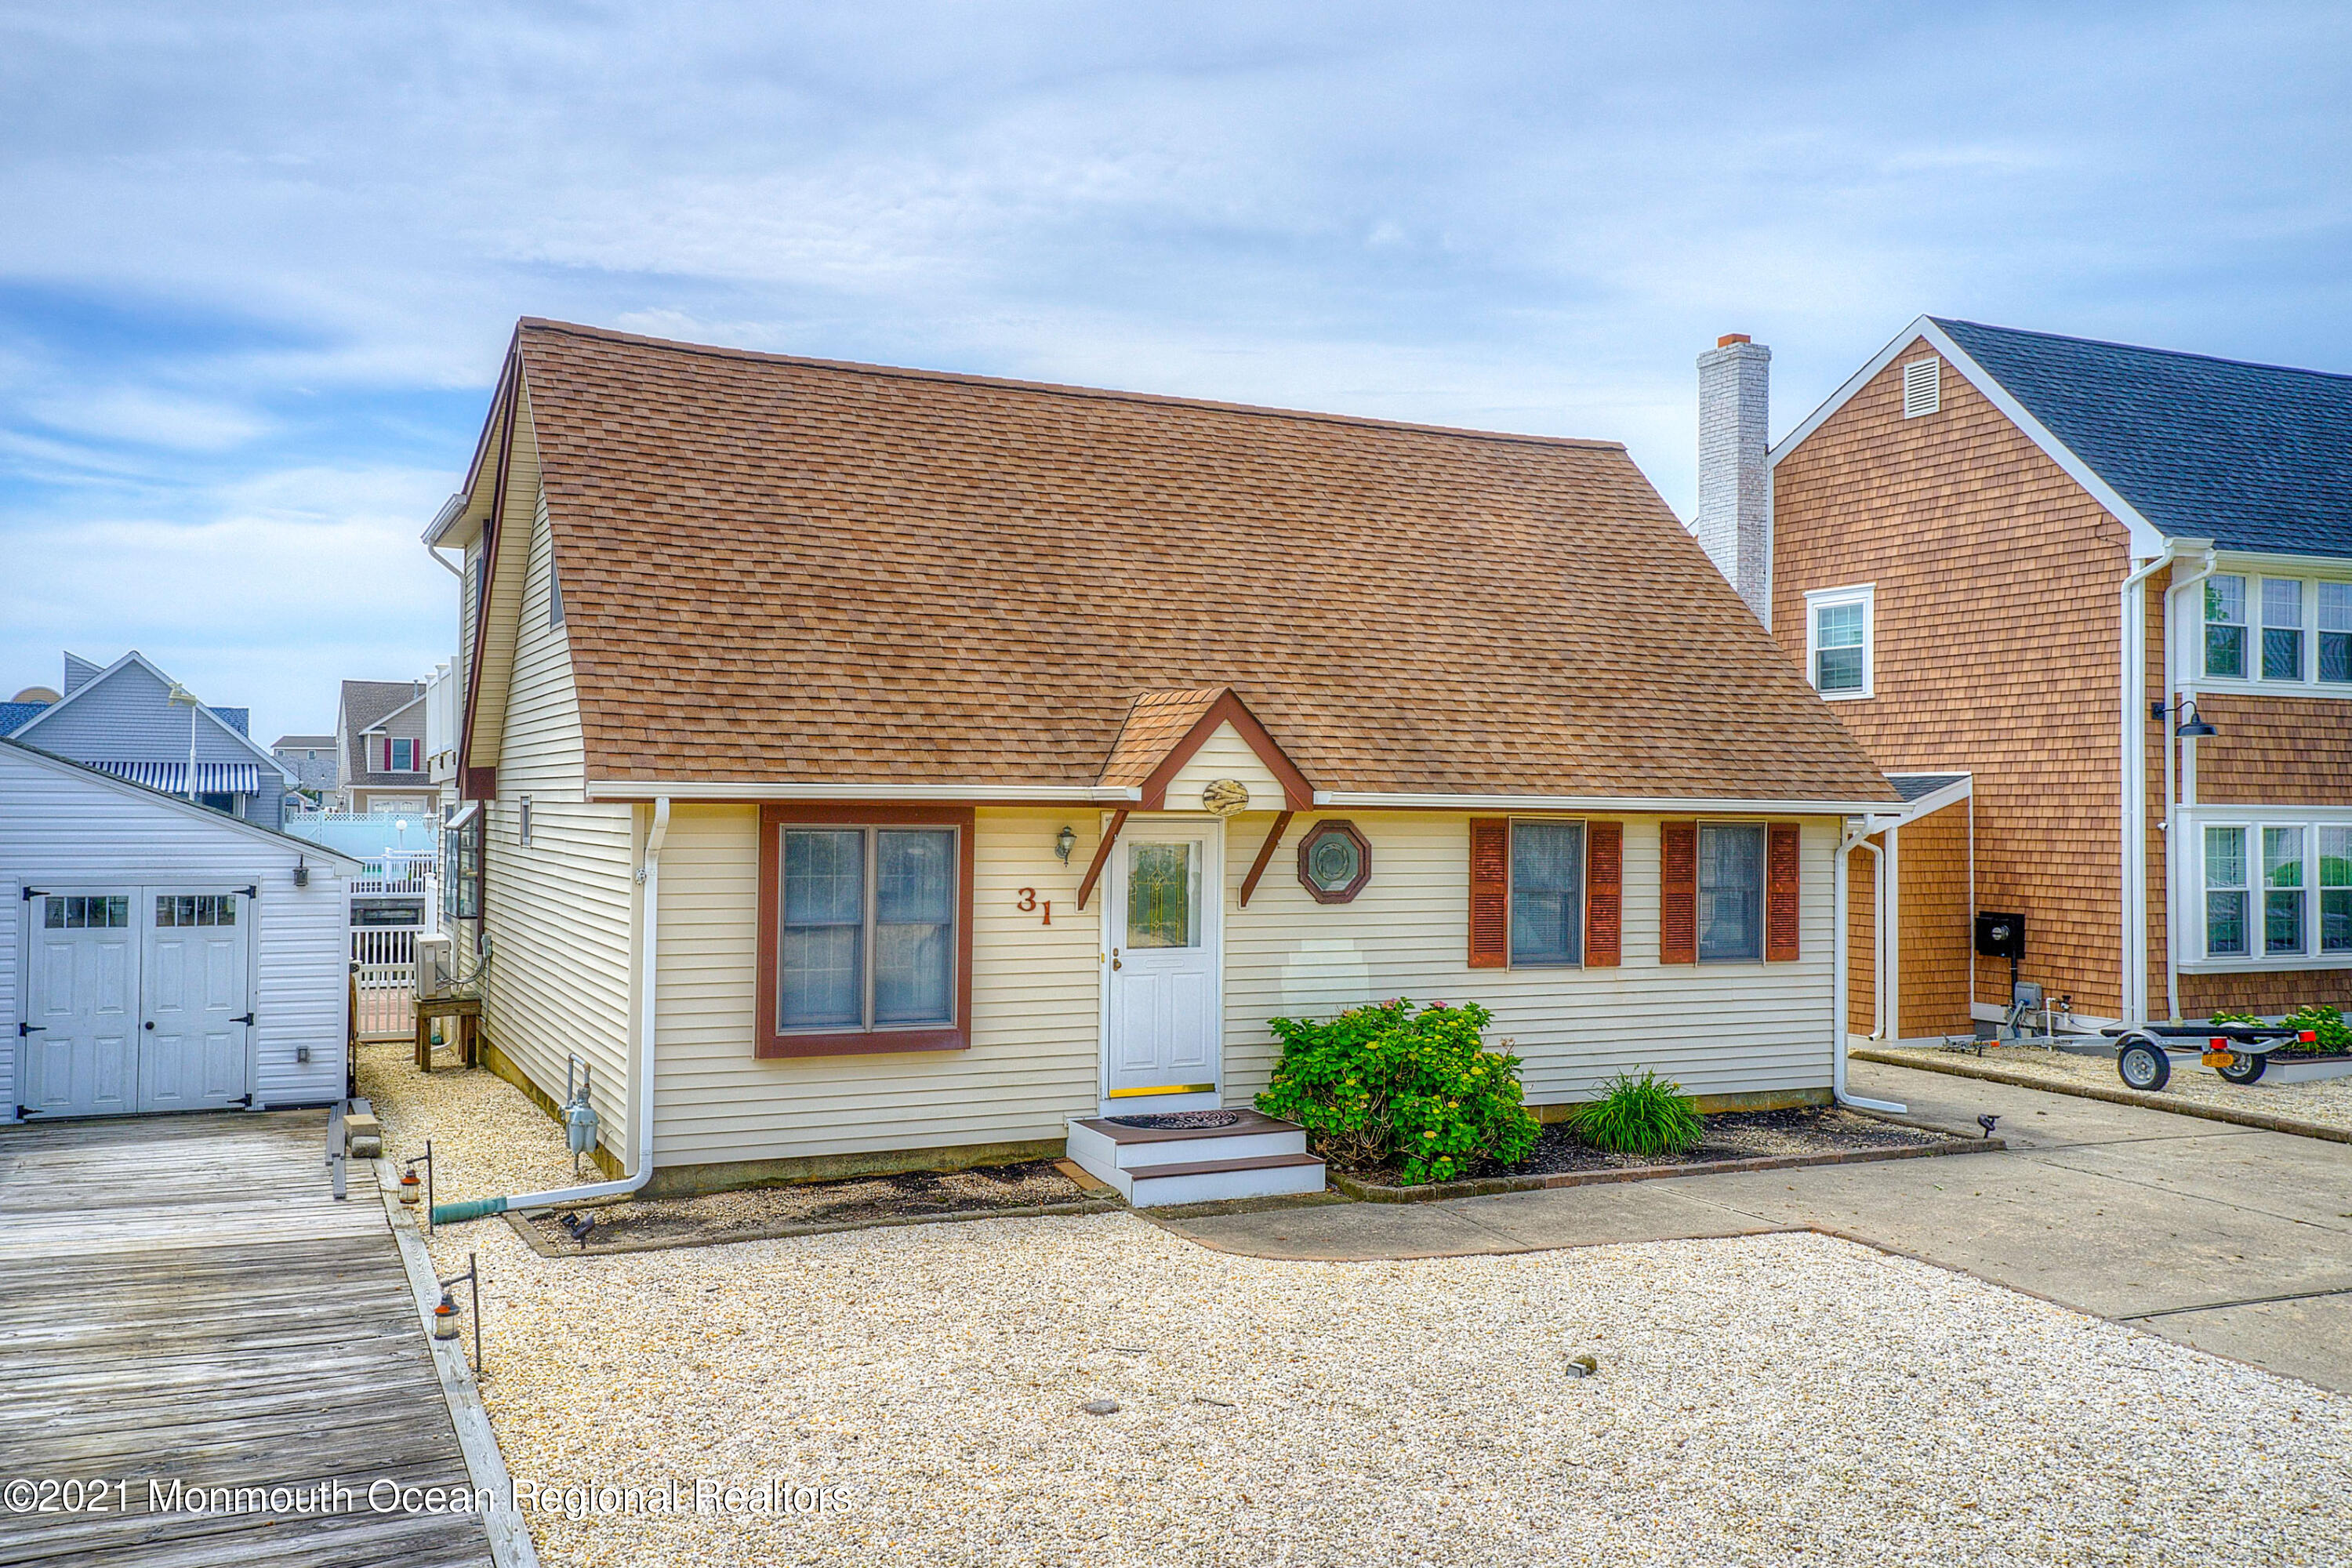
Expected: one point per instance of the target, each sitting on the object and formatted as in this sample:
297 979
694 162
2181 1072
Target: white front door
191 1045
1161 917
79 1053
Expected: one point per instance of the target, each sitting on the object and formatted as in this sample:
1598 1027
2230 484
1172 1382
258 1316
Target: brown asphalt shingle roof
786 570
1156 722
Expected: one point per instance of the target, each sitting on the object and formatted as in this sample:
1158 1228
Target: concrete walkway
2233 1240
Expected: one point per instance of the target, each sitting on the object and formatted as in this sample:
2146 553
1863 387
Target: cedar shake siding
1995 609
2274 751
1935 924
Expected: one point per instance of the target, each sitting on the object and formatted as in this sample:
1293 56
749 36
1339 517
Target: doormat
1182 1120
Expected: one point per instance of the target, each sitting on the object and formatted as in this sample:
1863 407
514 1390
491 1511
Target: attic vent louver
1922 387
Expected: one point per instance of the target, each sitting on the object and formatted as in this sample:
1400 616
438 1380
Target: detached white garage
160 956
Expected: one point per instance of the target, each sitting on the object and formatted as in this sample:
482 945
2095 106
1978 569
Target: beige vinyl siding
1033 1060
560 912
523 514
1719 1028
1225 755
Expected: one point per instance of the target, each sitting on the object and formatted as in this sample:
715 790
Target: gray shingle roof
1914 786
2253 457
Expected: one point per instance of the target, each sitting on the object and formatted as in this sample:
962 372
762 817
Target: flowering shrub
2327 1023
1390 1084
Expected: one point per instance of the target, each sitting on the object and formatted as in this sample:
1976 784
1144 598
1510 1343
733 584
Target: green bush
1645 1115
1393 1085
2327 1023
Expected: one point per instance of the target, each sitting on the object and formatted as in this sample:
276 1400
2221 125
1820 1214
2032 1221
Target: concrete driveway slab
2305 1338
2266 1173
1335 1233
1617 1211
2030 1118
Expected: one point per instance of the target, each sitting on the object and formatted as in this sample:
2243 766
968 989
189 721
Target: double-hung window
1546 893
2282 891
870 946
2336 632
1838 638
1730 892
399 755
2335 891
2225 627
2281 628
2225 892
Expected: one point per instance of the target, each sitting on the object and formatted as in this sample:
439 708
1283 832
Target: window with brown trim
1335 861
865 928
1545 892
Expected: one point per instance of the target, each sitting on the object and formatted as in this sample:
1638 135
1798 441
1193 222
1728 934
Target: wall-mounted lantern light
1064 842
2191 727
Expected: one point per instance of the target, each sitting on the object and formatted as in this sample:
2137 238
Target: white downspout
1857 830
2133 658
650 874
1877 938
2171 788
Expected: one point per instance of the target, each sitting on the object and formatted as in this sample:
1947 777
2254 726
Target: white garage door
140 1002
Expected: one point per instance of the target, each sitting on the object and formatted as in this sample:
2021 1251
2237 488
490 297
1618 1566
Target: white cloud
142 416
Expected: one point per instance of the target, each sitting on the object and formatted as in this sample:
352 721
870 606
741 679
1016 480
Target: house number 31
1031 904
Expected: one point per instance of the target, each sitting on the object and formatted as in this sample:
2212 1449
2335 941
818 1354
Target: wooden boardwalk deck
182 1299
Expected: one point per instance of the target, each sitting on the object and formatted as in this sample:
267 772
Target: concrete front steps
1257 1157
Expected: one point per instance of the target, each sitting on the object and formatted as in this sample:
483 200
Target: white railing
398 871
384 945
387 1007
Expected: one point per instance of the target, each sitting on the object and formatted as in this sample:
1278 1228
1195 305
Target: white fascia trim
2234 561
2147 538
1928 804
1649 805
1017 795
445 518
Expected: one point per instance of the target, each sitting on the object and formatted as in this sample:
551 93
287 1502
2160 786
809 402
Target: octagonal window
1334 862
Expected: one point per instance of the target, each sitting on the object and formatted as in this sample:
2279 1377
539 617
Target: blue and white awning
212 778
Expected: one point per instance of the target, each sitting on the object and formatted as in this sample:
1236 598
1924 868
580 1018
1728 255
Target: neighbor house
2111 589
130 720
311 760
883 768
380 758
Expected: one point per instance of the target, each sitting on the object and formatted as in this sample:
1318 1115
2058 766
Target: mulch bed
1733 1135
752 1212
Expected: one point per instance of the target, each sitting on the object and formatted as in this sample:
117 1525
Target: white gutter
2171 789
1044 795
650 874
1877 936
2133 658
1612 802
1855 833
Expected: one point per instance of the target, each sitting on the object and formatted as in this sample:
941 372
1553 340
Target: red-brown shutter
1678 892
1781 877
1490 892
1604 894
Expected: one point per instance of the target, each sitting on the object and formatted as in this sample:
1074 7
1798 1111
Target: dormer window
399 755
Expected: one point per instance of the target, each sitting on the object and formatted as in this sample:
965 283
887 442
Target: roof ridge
1948 322
1058 389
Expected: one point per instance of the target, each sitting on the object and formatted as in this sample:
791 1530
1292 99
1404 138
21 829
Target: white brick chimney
1734 486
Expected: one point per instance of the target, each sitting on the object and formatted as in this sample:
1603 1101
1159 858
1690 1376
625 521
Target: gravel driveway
1761 1400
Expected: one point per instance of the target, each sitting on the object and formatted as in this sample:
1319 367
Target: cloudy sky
258 264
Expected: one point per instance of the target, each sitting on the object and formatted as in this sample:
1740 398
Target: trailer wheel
2244 1069
2143 1065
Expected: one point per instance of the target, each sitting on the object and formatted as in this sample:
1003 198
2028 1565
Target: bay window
2276 891
866 918
2283 895
2225 891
